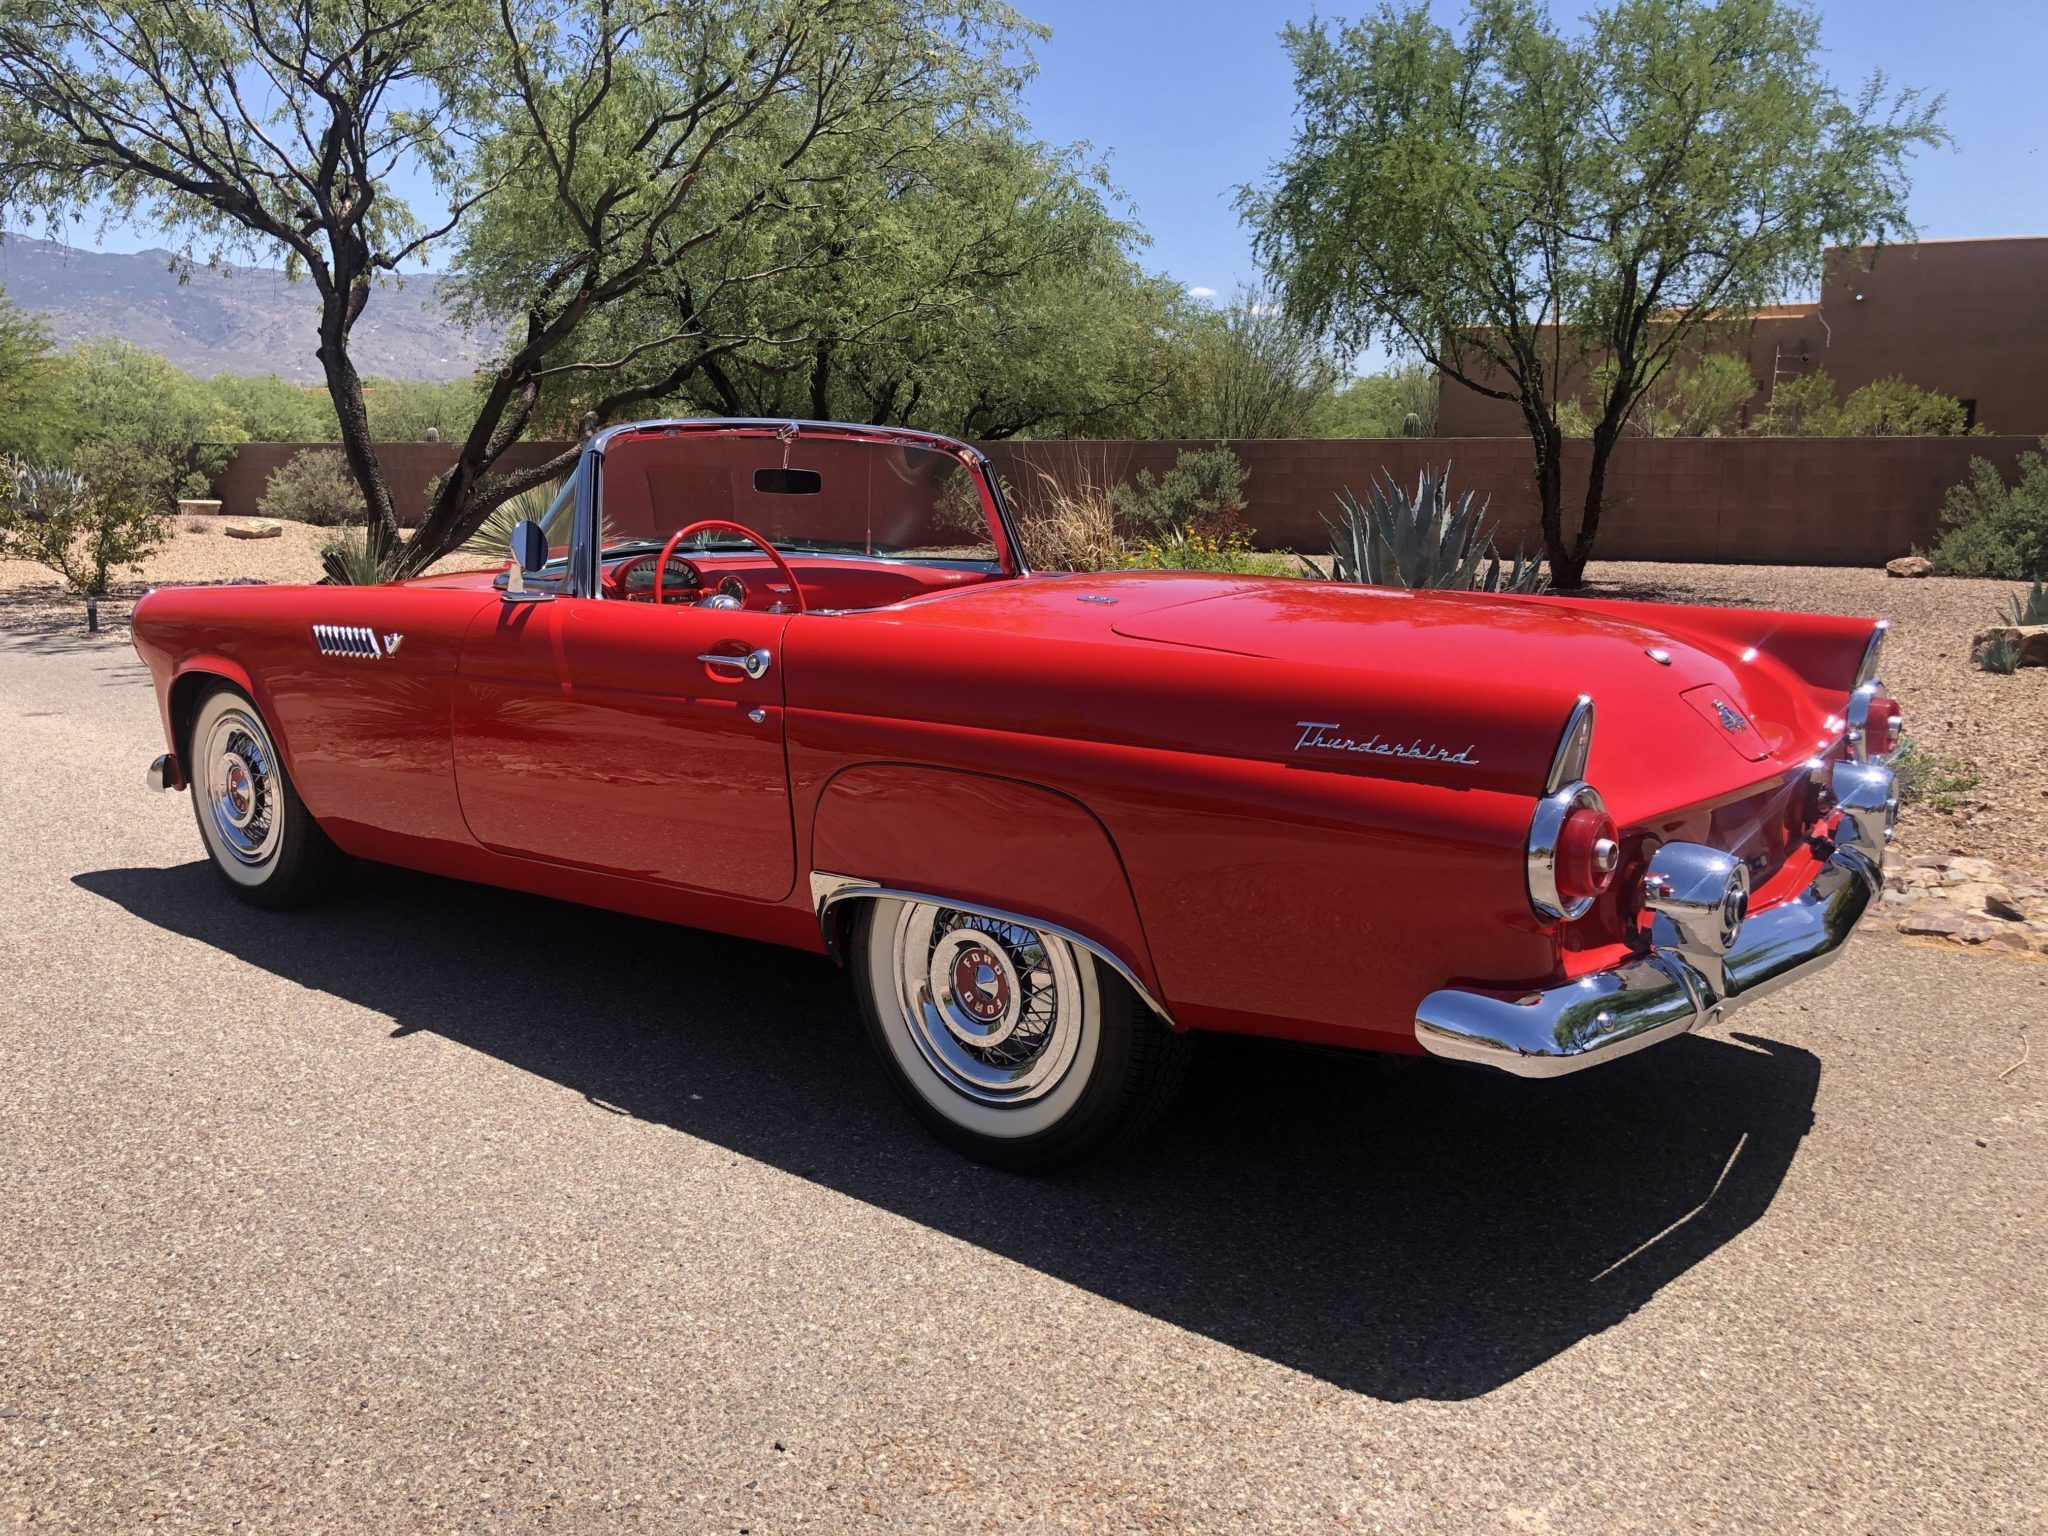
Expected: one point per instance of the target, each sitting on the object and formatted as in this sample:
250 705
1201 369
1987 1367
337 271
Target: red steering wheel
719 523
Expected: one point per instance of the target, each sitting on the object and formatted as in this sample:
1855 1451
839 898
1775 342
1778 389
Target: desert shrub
406 410
1705 400
140 422
1204 489
83 527
1921 778
1806 407
275 410
314 488
1186 550
1990 528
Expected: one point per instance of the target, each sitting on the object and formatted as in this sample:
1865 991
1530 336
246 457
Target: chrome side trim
1568 763
1867 669
352 640
828 890
1612 1013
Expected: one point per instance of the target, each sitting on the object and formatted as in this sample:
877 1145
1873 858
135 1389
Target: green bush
1994 529
314 488
83 527
1204 491
1806 407
138 421
275 410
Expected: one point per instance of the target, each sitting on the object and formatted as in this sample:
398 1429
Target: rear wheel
1013 1045
265 844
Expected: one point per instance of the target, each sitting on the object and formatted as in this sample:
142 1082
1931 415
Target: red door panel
588 732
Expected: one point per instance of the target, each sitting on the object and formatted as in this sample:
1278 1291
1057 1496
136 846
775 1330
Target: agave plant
1392 539
2030 609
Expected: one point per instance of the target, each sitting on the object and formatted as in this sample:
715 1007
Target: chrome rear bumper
1677 987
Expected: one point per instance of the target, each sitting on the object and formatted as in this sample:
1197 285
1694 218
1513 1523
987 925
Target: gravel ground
1992 727
33 601
441 1209
412 1213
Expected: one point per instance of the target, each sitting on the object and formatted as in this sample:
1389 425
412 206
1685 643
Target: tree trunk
1589 518
339 306
1549 443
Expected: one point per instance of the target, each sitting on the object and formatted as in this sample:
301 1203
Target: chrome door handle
754 663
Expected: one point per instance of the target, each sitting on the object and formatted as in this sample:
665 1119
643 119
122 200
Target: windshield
818 495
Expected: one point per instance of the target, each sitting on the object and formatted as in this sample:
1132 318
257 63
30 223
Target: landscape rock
2031 641
1944 922
254 528
2003 903
1910 566
198 508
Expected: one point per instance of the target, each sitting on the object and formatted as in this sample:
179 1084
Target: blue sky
1190 100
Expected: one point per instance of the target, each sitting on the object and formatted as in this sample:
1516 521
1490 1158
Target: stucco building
1967 318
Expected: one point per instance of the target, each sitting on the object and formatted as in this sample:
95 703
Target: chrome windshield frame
586 555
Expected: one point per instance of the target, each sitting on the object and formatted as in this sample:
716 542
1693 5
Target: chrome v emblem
391 644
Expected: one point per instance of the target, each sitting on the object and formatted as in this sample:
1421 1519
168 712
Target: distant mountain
229 320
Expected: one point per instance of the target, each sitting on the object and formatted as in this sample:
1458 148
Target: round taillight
1588 853
1881 729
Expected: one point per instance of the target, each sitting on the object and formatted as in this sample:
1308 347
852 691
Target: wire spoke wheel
265 846
1013 1043
994 1008
240 785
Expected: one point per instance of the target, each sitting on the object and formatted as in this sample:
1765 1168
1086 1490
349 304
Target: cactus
1426 540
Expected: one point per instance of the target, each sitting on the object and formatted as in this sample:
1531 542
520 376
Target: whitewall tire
264 844
1012 1044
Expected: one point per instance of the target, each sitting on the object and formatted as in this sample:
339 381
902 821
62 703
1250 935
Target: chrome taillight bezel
1546 827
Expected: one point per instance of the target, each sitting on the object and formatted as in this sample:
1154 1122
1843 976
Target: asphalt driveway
446 1209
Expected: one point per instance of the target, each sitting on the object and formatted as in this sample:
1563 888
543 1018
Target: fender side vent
347 640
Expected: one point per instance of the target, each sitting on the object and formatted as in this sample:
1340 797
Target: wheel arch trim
829 891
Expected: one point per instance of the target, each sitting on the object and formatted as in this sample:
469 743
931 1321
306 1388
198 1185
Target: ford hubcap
993 1008
241 787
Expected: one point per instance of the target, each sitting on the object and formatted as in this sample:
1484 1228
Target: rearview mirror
529 546
788 482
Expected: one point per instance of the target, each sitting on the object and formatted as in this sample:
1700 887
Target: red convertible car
794 681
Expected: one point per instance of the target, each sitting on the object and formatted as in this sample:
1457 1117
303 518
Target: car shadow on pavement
1429 1233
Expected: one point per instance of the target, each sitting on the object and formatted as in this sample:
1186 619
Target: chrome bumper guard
163 773
1707 955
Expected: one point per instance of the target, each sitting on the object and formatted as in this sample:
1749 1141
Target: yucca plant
1428 540
2030 608
493 536
352 560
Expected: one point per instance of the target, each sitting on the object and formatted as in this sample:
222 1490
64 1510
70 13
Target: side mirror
529 547
529 555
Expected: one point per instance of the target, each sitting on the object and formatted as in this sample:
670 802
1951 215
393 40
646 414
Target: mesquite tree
1536 212
620 138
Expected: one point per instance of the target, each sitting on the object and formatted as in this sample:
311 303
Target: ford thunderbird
797 682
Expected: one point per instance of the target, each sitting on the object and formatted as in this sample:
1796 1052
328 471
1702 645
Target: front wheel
1013 1045
265 844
